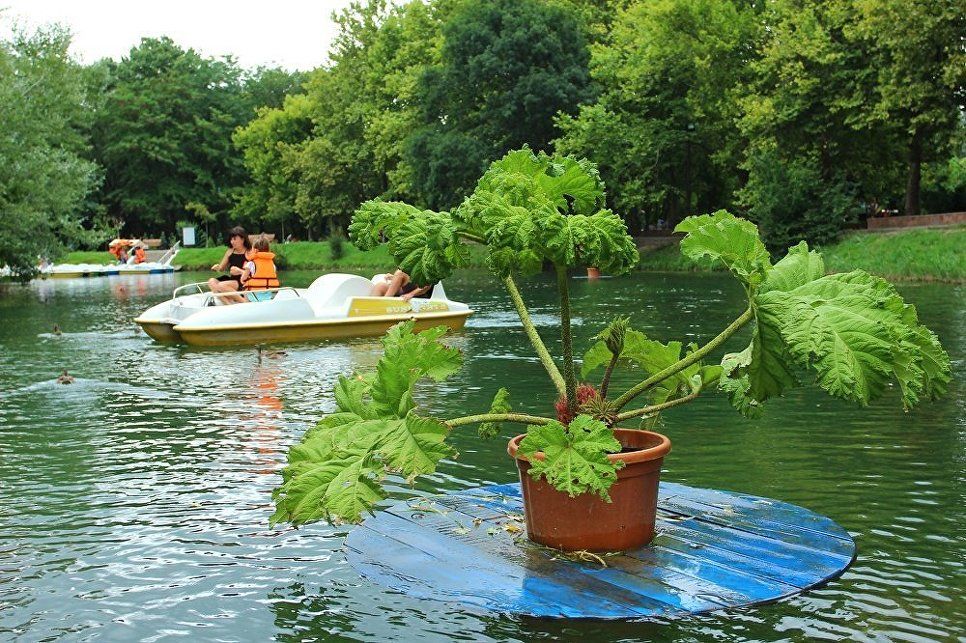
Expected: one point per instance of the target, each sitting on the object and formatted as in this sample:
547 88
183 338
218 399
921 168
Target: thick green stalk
531 331
499 417
570 376
605 383
678 366
657 408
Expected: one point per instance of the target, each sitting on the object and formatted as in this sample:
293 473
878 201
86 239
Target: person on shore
260 272
398 284
233 262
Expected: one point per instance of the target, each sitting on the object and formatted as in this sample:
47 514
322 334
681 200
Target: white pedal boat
335 306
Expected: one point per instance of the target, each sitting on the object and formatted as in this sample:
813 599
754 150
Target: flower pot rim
643 455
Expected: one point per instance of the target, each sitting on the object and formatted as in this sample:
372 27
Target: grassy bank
300 255
913 255
923 255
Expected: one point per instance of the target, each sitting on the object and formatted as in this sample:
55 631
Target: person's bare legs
226 286
399 279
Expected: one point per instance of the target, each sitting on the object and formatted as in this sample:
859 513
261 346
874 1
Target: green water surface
134 503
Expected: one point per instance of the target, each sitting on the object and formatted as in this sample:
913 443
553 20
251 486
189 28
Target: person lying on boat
260 272
398 284
234 262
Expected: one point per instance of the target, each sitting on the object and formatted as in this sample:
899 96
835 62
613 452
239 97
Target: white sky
294 34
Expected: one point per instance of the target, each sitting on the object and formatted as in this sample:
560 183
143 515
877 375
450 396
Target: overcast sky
294 34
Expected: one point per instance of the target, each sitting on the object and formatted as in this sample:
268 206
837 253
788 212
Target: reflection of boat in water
163 265
335 306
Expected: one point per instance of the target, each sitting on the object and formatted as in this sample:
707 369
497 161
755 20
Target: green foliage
574 456
506 68
851 329
662 127
652 357
500 404
44 179
337 244
163 134
790 200
722 237
534 208
334 473
425 244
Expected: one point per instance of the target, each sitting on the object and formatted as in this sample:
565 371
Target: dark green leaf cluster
531 208
335 472
425 244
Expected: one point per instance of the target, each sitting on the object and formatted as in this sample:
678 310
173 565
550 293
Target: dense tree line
804 115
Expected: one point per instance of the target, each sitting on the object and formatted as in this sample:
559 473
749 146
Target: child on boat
260 272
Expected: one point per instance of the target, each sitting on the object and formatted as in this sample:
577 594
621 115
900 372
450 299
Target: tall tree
811 156
44 179
663 127
507 67
320 156
164 134
916 49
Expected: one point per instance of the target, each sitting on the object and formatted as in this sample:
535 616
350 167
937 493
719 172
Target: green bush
337 244
790 200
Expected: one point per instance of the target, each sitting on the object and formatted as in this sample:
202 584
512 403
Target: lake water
134 503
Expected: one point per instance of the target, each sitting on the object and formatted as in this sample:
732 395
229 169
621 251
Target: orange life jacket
139 255
265 275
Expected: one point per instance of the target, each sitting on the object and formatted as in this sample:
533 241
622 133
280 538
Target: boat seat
256 295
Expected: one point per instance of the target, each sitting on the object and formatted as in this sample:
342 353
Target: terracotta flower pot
593 273
586 522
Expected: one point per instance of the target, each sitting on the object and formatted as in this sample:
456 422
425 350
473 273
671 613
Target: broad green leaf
500 404
795 269
338 489
601 241
414 445
334 472
723 237
853 330
350 394
408 357
575 457
375 221
427 247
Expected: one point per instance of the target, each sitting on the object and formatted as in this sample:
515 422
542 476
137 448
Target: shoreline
928 255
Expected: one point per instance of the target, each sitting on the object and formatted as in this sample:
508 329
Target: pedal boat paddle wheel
335 306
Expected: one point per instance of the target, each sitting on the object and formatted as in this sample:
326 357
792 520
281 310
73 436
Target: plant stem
531 331
499 417
696 356
604 383
469 236
570 377
657 408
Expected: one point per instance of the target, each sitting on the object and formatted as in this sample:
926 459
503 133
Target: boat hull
249 334
160 331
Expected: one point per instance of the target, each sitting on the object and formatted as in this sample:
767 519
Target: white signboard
188 236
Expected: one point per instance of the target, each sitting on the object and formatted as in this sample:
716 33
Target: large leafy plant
851 333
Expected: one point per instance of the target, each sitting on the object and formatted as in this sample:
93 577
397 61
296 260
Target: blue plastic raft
713 550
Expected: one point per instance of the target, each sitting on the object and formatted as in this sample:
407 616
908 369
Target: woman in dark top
233 262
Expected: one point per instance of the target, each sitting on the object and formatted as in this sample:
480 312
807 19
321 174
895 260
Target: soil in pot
586 522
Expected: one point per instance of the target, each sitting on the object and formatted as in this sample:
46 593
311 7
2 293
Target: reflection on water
134 503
